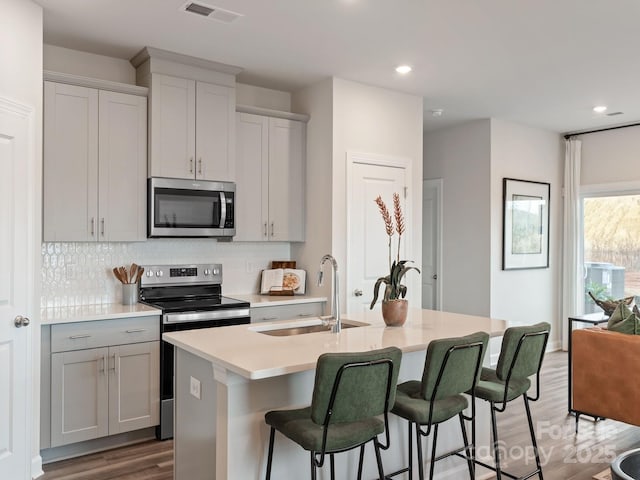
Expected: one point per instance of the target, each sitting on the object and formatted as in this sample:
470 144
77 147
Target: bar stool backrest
353 386
529 351
452 365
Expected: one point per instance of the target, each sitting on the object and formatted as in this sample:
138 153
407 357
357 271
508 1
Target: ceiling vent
210 11
613 114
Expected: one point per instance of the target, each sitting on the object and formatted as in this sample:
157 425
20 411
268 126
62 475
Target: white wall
524 297
316 101
263 97
84 64
377 121
349 116
611 157
461 156
21 81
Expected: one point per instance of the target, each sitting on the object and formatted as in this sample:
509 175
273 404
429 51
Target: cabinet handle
266 319
200 166
104 364
272 229
115 370
137 330
93 223
305 315
75 337
191 165
265 229
102 226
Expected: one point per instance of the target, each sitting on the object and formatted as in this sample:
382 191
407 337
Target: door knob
357 292
21 321
435 276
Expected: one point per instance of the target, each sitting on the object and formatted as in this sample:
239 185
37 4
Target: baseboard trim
73 450
36 467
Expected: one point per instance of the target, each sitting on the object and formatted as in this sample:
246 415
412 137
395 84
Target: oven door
190 208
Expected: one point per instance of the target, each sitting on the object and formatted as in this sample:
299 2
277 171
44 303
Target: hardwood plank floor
565 455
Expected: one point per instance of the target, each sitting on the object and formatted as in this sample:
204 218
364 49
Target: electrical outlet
194 388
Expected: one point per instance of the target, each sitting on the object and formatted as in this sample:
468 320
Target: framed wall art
525 224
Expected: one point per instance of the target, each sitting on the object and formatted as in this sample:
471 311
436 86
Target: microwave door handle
223 210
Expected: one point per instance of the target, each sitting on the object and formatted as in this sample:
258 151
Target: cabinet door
70 163
215 138
79 385
134 386
252 184
173 119
286 180
122 160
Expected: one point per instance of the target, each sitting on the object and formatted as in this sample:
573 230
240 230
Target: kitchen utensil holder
129 293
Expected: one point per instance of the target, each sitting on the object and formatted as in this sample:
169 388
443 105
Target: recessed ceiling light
403 69
600 109
436 112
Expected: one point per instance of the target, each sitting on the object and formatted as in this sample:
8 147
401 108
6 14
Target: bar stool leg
533 435
313 466
433 451
496 445
410 449
376 446
468 451
419 449
333 468
360 462
270 455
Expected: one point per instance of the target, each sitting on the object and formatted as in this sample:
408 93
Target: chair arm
606 374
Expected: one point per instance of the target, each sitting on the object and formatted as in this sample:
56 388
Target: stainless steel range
190 297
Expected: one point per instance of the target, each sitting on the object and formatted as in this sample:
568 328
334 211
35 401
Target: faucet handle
320 276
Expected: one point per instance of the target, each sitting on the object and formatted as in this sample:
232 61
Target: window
611 248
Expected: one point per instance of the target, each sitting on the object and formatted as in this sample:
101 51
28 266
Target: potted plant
394 305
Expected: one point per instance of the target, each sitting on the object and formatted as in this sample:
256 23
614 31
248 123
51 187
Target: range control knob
159 273
207 271
149 273
216 271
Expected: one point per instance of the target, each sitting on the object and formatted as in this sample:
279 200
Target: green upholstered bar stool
520 357
351 392
451 368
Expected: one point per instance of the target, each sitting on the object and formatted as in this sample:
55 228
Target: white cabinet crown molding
97 83
267 112
152 52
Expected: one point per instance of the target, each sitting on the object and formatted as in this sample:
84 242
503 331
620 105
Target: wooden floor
565 456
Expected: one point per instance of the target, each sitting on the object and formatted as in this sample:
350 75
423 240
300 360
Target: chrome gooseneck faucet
335 292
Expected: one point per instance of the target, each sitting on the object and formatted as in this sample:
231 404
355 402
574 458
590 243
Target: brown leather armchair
606 368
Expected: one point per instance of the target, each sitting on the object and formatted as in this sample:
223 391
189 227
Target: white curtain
572 268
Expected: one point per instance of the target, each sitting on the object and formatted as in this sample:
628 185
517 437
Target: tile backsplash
80 273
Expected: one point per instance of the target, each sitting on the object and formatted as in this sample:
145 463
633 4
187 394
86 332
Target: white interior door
431 244
368 252
14 353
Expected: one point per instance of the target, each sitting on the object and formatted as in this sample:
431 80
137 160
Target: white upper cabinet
95 151
192 129
270 185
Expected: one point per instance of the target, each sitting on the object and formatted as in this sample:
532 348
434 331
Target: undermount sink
300 328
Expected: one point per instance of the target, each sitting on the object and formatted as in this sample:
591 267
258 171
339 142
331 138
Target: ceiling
543 63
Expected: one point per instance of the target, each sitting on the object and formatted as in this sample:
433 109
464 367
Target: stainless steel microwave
190 208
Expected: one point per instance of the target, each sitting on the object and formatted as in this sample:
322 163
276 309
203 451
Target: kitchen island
227 378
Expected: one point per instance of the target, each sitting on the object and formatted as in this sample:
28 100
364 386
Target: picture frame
525 224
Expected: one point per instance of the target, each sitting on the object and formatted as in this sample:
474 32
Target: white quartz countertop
82 313
253 355
257 300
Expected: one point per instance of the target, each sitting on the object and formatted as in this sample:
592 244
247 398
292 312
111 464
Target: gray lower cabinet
105 390
287 312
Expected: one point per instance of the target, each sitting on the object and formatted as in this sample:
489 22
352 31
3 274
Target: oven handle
206 315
